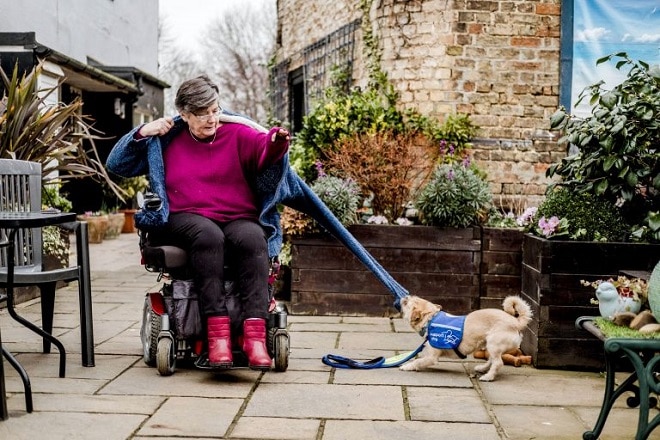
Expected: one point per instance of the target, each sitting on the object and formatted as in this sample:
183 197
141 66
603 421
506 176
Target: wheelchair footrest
240 361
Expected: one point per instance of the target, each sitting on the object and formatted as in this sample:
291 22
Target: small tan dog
494 330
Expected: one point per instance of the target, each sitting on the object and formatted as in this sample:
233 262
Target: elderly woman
205 171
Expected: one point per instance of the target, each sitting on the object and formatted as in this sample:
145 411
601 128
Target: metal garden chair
20 191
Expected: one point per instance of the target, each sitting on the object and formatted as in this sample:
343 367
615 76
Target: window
293 92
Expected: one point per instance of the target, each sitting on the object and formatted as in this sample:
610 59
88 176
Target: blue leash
336 361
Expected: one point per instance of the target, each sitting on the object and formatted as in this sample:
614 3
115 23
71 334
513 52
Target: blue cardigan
278 184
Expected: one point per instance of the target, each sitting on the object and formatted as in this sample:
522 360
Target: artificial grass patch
611 330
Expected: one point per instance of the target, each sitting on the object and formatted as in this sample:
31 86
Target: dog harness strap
459 354
445 331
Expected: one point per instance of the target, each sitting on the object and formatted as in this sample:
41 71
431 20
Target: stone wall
497 61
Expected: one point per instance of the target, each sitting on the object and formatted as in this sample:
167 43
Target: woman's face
203 123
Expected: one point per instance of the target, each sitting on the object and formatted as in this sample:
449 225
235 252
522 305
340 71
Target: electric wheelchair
172 328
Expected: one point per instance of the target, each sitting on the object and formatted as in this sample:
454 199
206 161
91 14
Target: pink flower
527 216
548 227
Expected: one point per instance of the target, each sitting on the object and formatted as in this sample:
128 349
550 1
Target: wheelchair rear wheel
151 326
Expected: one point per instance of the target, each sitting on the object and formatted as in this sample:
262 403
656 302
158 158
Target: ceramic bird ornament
610 302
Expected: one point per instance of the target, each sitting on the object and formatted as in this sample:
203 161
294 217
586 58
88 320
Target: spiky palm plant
57 136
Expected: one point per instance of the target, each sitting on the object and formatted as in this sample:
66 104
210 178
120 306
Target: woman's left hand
281 134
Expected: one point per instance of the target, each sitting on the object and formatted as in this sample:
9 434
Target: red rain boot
219 333
254 343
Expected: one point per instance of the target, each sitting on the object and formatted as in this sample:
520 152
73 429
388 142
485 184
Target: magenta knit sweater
213 179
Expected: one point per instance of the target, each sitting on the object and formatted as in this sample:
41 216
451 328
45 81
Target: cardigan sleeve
128 158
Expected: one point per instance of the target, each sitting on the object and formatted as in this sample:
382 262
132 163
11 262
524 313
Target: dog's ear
415 318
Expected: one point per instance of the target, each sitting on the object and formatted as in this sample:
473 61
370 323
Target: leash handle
336 361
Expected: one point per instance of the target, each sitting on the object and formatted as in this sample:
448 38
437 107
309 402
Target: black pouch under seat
183 308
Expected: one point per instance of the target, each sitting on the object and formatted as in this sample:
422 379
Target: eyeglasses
209 116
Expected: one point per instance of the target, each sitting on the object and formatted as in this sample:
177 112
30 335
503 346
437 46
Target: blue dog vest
445 331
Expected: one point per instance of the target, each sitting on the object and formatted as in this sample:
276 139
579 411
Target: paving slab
145 381
454 376
259 428
540 422
446 405
379 341
101 404
327 401
315 340
551 390
70 426
408 430
192 417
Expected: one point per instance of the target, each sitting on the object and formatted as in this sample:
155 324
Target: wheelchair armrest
164 257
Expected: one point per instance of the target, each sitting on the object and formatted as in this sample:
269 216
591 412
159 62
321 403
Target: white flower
377 220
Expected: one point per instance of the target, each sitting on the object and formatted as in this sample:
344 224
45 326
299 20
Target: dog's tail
518 308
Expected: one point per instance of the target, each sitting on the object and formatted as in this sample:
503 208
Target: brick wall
497 61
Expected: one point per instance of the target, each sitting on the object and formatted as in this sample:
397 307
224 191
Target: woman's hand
157 128
281 134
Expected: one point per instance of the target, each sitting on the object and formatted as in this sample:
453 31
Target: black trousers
207 243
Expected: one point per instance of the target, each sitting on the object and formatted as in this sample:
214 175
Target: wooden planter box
501 265
462 269
440 264
551 274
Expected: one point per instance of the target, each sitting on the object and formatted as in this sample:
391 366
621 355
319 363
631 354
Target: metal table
14 221
643 381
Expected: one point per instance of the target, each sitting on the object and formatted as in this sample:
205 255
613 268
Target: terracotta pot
129 221
115 225
96 226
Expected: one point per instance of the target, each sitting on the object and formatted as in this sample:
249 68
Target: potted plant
617 158
601 216
116 222
130 187
55 240
97 224
57 136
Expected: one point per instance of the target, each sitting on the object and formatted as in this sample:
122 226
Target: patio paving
121 398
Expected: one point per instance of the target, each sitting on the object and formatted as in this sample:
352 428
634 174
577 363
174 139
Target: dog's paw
481 368
487 378
409 366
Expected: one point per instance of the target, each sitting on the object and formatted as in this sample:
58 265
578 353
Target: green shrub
55 244
341 196
455 196
339 115
52 198
618 157
587 217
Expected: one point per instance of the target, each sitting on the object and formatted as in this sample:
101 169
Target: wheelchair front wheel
281 351
166 357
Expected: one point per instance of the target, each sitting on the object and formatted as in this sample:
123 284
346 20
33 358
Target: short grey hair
196 94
